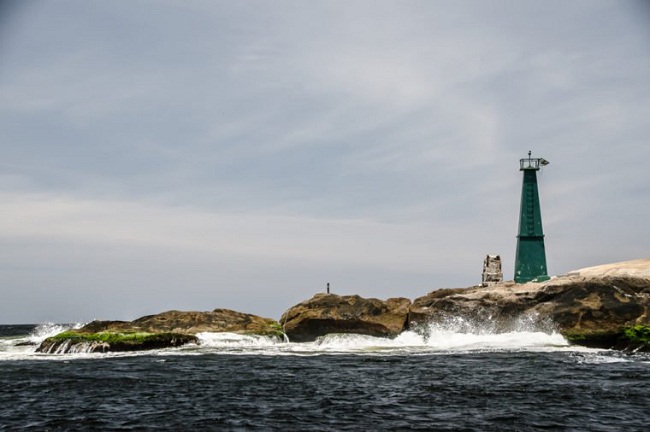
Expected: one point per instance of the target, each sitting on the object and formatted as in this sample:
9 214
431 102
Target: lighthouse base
530 260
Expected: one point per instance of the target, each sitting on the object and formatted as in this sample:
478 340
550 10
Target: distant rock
595 307
167 329
329 313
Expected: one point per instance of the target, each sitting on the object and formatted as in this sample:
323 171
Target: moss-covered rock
638 334
77 341
629 339
593 339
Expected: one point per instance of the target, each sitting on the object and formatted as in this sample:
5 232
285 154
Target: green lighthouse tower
530 260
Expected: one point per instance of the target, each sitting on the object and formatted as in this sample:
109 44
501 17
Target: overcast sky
160 155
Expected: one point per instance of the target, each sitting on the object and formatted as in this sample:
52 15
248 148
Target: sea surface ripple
338 383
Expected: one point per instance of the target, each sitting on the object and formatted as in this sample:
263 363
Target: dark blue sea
444 380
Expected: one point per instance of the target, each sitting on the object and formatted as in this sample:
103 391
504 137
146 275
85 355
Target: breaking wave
454 336
44 331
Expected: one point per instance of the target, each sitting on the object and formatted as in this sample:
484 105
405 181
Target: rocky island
167 329
605 306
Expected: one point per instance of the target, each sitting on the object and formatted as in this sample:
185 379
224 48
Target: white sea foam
454 336
437 340
18 348
458 334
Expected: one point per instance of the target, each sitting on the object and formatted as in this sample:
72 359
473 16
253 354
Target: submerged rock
592 307
330 313
164 330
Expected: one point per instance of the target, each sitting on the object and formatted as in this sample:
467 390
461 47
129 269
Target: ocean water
450 378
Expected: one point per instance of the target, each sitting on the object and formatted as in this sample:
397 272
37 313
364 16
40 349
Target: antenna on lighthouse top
532 163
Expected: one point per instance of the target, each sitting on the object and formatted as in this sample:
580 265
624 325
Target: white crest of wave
454 335
440 341
446 340
354 342
45 330
234 340
25 346
462 334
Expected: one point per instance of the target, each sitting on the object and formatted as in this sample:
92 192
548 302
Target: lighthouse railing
529 163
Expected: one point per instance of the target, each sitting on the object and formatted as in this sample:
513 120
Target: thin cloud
273 144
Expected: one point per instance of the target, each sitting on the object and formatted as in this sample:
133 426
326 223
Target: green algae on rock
628 339
78 341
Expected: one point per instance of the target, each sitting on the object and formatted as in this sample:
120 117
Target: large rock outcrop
218 320
596 306
167 329
330 313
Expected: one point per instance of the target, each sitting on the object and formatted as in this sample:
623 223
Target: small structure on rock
492 273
